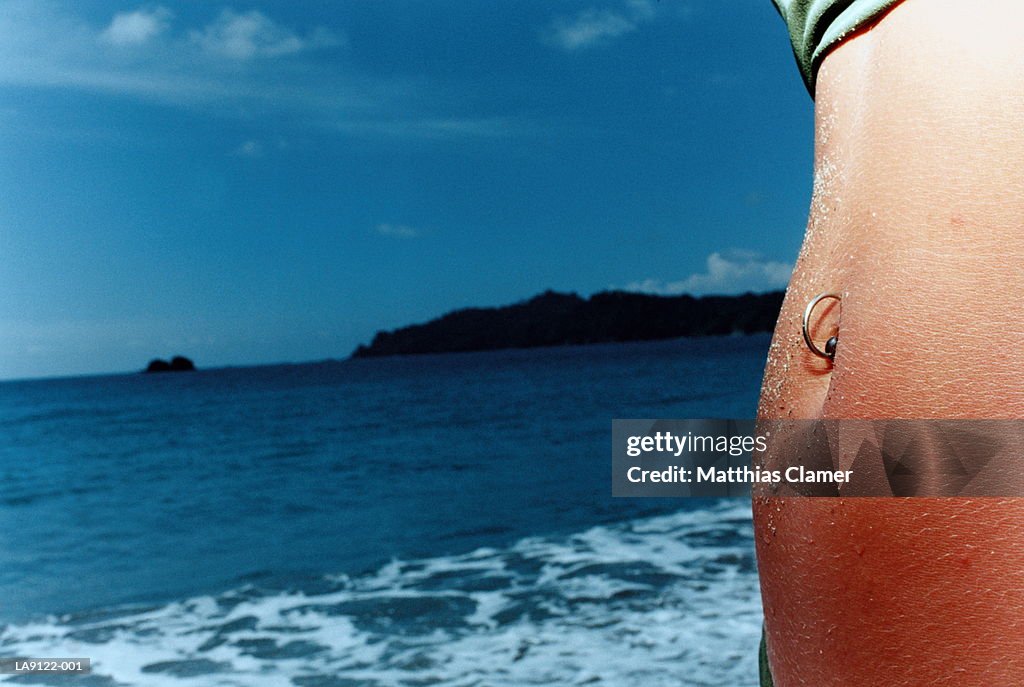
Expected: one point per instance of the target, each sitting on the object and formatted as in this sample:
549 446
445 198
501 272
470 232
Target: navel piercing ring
830 345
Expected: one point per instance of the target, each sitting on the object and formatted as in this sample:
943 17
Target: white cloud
728 273
138 27
43 44
249 35
250 149
593 27
590 28
400 231
236 64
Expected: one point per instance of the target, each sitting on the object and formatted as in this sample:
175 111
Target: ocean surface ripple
396 521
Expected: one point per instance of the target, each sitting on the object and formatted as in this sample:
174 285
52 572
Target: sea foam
669 600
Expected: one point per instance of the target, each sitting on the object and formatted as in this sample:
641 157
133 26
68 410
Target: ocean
425 520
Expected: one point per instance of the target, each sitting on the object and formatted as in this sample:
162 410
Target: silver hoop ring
830 346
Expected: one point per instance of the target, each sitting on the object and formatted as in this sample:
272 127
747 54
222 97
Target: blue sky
275 181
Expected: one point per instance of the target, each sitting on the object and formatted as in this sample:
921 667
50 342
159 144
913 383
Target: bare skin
917 218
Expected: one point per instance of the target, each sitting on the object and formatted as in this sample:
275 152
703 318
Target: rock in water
181 364
178 364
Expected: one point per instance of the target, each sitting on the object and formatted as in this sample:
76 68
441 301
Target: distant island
556 319
178 364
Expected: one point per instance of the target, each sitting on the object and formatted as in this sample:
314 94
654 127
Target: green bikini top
816 26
